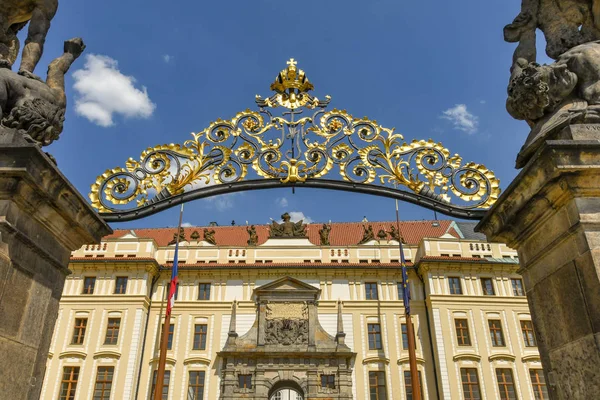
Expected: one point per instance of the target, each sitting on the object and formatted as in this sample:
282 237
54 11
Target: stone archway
286 350
286 390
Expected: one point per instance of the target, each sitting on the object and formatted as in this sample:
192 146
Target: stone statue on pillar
566 92
43 218
34 108
550 213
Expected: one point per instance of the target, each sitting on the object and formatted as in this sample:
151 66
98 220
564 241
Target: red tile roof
342 233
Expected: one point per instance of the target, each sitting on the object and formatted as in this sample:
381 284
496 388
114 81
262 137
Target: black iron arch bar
259 184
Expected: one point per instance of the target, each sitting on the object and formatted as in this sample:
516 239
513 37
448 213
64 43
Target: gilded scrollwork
291 150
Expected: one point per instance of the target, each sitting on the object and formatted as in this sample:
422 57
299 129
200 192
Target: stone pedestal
42 219
550 213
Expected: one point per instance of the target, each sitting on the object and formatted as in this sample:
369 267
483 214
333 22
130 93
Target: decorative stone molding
467 356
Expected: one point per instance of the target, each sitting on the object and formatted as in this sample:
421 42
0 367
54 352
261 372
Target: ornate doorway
286 390
286 352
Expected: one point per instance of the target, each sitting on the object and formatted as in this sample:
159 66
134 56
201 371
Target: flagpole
412 357
160 374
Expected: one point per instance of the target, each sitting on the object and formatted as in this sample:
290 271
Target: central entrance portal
287 353
286 390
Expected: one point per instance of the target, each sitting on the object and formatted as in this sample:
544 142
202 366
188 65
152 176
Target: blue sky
398 62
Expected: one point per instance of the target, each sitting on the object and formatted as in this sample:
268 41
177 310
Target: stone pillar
551 214
42 219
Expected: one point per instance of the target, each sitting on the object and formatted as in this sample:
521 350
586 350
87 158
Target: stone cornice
406 360
72 354
170 360
502 356
531 358
376 359
107 354
197 360
467 356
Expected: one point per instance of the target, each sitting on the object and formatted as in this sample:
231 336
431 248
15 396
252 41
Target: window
371 291
374 333
121 286
79 330
409 387
405 336
176 290
528 335
400 291
488 286
69 383
112 331
204 291
462 332
506 384
200 336
540 392
328 381
196 386
496 333
377 389
245 381
455 287
470 383
104 379
165 391
89 282
170 339
517 286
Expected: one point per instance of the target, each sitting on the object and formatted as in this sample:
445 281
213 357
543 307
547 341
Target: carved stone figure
253 240
209 236
565 24
550 97
14 15
381 235
195 235
324 234
287 228
368 234
395 235
286 331
34 108
181 237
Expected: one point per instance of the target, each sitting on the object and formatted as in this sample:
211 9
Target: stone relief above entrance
287 323
286 346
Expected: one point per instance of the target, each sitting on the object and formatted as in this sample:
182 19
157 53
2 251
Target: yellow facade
341 273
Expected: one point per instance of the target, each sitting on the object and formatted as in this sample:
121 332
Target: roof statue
34 108
395 235
368 234
178 238
209 236
324 234
287 229
550 97
253 240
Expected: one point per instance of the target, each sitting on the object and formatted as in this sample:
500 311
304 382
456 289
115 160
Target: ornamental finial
292 86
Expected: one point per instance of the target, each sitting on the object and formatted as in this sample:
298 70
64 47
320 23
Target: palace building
292 311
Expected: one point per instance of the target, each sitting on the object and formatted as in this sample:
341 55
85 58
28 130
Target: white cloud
482 101
296 216
104 91
186 225
222 202
281 202
461 118
167 58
